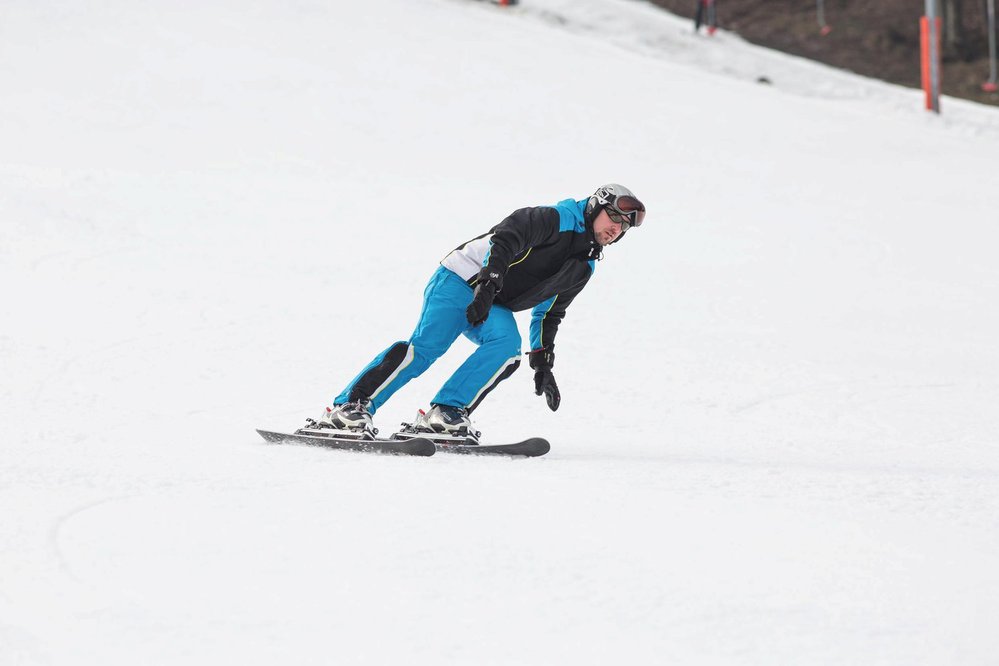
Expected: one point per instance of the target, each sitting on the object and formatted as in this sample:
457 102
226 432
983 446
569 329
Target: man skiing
540 258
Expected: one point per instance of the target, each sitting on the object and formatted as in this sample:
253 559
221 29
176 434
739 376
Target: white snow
778 441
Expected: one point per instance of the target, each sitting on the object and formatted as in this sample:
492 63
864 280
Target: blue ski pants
442 320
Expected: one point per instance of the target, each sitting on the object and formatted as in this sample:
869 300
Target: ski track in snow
800 340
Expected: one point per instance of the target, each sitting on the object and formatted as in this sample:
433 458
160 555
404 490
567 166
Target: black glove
485 291
544 382
542 361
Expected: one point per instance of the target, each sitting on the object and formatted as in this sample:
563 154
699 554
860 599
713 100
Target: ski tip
420 447
539 446
534 447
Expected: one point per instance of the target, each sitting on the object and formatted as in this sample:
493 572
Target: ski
417 446
529 448
411 444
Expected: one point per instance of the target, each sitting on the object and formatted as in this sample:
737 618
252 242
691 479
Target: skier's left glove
542 361
488 285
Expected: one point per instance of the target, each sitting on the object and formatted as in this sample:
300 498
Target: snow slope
777 441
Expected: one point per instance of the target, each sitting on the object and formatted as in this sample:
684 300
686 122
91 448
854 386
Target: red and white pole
929 39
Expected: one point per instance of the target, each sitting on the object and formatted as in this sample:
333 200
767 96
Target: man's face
605 230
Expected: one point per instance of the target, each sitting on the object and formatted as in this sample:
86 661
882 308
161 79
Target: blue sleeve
538 315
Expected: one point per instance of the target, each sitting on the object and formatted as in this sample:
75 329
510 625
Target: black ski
529 448
418 446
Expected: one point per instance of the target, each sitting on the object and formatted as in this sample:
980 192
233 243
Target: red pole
929 40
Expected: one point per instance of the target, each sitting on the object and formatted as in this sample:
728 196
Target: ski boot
444 424
351 420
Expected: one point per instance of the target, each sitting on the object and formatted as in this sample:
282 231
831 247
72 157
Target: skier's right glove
542 361
488 285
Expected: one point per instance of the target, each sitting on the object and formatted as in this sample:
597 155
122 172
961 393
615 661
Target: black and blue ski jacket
545 255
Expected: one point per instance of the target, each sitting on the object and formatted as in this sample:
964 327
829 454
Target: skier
540 258
706 7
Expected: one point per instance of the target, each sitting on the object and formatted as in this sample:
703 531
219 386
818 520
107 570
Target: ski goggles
626 210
